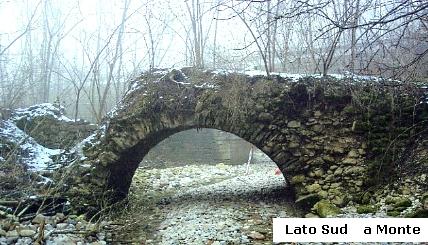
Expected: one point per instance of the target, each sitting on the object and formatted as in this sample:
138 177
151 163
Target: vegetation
85 52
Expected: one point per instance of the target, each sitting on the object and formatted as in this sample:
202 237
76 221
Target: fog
83 53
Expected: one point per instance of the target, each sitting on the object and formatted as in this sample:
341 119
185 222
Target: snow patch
36 156
182 83
206 85
40 110
296 76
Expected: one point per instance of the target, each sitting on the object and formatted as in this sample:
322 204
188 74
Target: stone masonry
331 138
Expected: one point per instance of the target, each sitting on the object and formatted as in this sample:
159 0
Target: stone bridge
331 138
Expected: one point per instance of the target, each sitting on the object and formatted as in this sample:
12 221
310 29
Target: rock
317 114
256 235
317 161
349 160
297 179
61 226
339 201
328 159
319 172
365 209
419 213
338 149
406 190
338 171
39 219
2 232
323 194
61 239
12 233
335 185
313 188
98 243
266 117
398 202
27 233
293 124
393 213
324 208
307 201
353 154
59 217
404 202
358 182
311 215
328 178
354 170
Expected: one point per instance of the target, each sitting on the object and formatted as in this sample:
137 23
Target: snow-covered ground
27 151
34 155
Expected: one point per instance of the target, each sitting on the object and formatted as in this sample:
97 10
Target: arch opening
153 148
184 184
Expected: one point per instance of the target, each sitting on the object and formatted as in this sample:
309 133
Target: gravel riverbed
207 204
191 204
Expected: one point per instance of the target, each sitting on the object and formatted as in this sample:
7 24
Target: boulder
325 208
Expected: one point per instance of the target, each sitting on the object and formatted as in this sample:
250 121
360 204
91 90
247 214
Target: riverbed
205 204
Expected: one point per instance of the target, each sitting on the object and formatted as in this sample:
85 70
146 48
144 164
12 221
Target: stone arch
307 128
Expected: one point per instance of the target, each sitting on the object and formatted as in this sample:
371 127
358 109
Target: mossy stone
325 208
365 209
402 203
420 213
393 213
313 188
297 179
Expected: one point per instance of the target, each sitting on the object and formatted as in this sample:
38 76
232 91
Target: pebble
27 233
61 226
215 203
12 233
256 235
39 219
